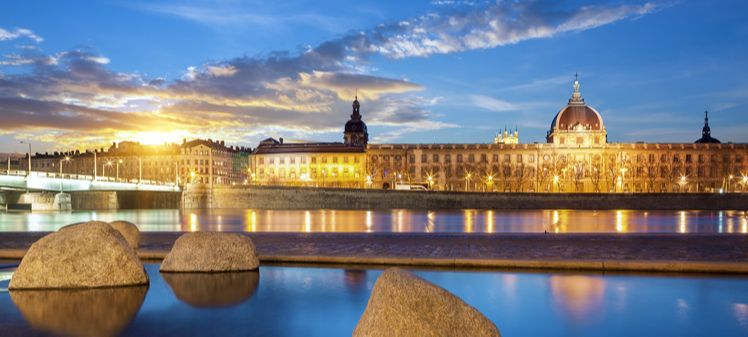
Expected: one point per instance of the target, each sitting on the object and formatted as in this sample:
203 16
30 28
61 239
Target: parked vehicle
411 186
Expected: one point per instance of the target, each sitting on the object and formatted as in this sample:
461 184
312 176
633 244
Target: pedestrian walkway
607 252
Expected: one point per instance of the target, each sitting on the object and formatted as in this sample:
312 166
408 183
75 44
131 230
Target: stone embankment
241 197
593 252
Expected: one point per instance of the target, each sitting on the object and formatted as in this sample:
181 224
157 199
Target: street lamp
61 161
555 181
103 169
430 179
192 177
368 181
119 161
25 142
467 180
682 182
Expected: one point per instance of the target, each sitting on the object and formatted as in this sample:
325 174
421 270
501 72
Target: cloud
74 95
493 104
17 33
482 27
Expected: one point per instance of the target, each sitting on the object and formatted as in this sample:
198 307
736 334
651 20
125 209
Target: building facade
196 161
331 164
575 158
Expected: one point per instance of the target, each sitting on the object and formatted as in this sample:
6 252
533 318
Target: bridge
54 182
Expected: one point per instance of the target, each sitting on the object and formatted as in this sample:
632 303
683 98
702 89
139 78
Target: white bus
411 186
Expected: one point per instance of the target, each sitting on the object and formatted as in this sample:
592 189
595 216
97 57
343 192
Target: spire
576 96
706 131
356 115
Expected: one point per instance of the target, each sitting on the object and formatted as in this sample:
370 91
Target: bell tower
355 133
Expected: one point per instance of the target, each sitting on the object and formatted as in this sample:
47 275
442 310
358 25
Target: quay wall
100 200
298 197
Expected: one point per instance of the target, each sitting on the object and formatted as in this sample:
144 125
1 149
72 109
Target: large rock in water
211 252
86 255
402 304
129 231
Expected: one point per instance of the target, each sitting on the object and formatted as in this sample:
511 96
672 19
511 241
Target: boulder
205 290
402 304
211 252
80 312
129 231
87 255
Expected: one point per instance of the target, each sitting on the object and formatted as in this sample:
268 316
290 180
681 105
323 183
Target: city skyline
444 72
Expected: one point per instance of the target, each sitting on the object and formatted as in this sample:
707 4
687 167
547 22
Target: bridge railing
122 182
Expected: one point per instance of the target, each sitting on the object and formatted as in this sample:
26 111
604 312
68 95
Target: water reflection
399 220
213 289
83 313
578 296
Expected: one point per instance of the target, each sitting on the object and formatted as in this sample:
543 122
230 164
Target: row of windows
313 160
312 171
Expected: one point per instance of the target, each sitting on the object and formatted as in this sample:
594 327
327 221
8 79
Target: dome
578 116
706 132
354 125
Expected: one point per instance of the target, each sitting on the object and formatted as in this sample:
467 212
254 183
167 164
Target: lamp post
555 181
430 179
61 161
29 171
103 169
467 180
729 182
119 161
682 182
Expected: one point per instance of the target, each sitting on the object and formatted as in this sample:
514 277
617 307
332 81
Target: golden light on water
369 221
489 221
194 224
307 221
468 215
621 222
682 222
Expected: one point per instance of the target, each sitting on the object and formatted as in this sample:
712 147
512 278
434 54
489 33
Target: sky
84 74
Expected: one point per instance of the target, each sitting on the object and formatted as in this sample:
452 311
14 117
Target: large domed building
576 157
577 124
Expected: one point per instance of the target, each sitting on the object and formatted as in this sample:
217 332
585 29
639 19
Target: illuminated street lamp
368 181
103 169
118 162
555 181
682 182
489 181
61 161
467 180
729 182
430 179
192 176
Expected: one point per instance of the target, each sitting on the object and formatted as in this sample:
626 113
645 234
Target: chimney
281 140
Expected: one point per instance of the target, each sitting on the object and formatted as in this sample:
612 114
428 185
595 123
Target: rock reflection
581 297
213 289
80 313
355 278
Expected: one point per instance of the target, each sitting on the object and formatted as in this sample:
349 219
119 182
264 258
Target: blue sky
84 74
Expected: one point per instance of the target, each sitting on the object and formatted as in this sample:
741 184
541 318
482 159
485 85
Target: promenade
599 252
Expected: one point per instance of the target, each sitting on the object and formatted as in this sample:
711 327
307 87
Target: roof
273 148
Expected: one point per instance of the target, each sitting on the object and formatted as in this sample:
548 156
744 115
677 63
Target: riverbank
276 197
693 253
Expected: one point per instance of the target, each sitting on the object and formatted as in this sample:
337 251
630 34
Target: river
399 220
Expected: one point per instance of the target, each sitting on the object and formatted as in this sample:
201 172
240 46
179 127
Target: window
519 158
345 159
471 158
507 158
688 158
435 158
459 158
495 157
314 160
424 158
335 160
447 158
483 158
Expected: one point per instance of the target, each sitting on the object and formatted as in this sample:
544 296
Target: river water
323 302
462 221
